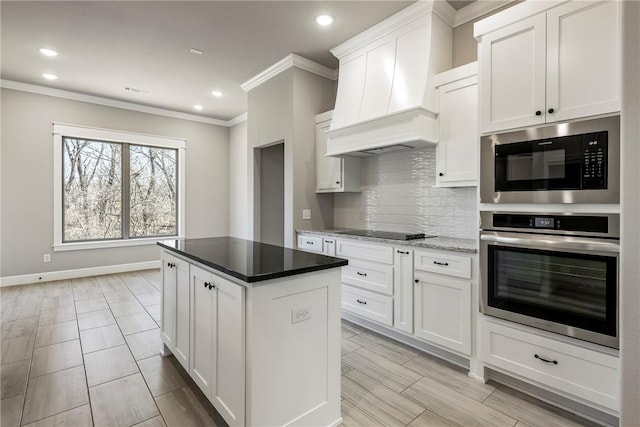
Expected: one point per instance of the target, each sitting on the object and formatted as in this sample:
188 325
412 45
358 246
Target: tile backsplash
398 194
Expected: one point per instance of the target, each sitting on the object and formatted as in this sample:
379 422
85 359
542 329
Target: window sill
80 246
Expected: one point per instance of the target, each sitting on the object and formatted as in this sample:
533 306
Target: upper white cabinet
458 127
333 174
560 64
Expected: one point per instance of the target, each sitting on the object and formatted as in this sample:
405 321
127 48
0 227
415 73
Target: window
115 188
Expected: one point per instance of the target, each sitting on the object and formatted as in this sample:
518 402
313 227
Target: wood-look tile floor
85 352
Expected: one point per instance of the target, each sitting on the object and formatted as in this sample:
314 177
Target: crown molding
414 12
477 9
237 120
75 96
291 60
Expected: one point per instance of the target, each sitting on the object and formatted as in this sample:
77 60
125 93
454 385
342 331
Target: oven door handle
552 242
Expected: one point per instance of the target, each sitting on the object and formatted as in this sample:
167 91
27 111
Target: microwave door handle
554 242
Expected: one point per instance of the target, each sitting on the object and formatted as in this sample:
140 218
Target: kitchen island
257 327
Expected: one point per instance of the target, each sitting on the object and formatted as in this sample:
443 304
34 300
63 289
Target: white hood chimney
386 97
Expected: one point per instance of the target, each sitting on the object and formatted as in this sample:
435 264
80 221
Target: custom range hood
386 97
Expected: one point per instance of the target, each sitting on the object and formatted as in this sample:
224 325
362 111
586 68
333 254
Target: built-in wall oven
575 162
557 272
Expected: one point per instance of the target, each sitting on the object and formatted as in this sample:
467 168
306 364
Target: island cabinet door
202 332
169 279
183 319
228 386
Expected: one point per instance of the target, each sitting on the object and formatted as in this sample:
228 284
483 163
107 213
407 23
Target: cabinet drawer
310 244
367 275
368 304
364 251
451 265
578 371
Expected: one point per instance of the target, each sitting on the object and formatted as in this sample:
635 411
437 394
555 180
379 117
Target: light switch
306 213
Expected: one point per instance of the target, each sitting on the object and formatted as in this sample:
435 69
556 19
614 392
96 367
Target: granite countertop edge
452 244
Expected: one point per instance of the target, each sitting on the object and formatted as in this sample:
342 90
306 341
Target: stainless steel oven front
557 272
577 162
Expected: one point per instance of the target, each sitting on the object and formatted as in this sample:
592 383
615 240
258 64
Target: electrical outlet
306 213
300 314
47 257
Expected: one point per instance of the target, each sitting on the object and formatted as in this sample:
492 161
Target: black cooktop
391 235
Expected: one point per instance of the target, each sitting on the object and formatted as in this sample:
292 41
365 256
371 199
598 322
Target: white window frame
61 130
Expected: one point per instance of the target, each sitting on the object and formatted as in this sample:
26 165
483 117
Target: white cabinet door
583 60
228 386
202 332
512 75
458 134
169 279
443 311
328 169
183 303
403 290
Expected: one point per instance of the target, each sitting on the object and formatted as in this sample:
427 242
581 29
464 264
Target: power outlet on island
300 314
306 213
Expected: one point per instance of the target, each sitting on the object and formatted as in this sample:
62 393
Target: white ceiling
106 45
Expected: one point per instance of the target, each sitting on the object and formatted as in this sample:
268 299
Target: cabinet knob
441 174
205 284
417 281
211 286
551 110
169 264
538 113
338 182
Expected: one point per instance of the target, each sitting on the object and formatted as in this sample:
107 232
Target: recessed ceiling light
134 89
49 76
324 19
198 107
196 51
216 93
48 52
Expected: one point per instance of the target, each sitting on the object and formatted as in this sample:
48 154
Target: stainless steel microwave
577 162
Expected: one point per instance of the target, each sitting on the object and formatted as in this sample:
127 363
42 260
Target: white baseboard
80 272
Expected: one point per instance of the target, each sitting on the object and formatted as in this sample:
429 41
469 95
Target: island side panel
293 350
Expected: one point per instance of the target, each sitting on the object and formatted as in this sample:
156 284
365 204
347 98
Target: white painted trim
80 272
65 94
238 119
80 246
456 74
102 134
395 22
291 60
478 9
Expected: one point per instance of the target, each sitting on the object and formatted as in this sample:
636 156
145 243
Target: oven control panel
529 222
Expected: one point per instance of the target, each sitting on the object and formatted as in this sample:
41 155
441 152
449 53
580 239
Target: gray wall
272 194
238 161
630 206
398 195
465 47
284 108
27 170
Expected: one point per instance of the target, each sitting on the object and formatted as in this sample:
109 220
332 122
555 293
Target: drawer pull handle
328 241
403 252
309 243
361 302
446 264
361 274
542 359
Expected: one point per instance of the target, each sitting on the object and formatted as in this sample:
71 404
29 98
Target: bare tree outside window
152 191
93 192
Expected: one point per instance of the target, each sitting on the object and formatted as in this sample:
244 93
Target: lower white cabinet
317 245
175 307
443 311
403 290
217 351
552 364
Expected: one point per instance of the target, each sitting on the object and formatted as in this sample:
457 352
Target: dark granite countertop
250 261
